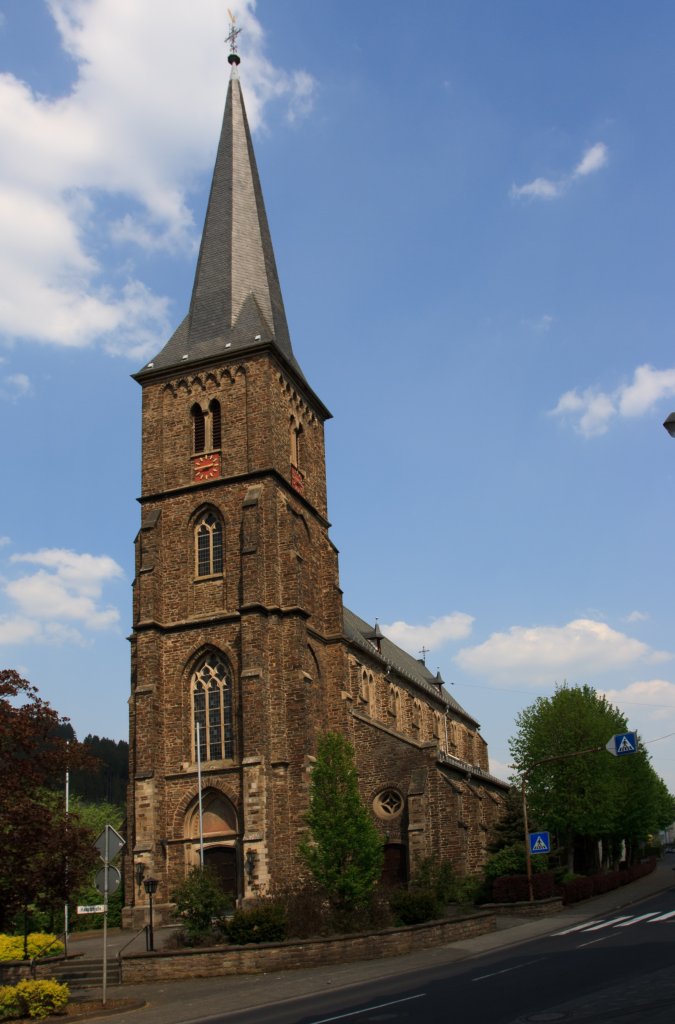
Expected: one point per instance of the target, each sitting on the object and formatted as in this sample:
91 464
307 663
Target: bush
264 923
39 943
10 1006
515 889
201 903
34 999
415 906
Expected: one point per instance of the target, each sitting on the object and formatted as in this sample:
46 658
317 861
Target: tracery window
212 709
388 804
209 545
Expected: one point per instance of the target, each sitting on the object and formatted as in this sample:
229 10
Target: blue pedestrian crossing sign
623 743
540 842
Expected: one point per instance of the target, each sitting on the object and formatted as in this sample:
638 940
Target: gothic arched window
214 412
296 433
198 428
212 709
209 545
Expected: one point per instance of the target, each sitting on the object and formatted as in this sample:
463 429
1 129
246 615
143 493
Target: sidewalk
182 1001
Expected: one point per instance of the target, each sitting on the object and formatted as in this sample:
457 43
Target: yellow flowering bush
34 999
11 946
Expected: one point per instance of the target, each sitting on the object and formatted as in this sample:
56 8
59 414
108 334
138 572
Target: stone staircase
81 972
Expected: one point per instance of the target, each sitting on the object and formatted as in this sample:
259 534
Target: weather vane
232 38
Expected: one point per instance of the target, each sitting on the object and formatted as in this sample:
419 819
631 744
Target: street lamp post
150 886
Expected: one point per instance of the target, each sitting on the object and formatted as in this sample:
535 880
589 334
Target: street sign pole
105 914
108 844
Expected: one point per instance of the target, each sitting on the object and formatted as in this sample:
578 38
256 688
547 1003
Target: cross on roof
424 651
234 32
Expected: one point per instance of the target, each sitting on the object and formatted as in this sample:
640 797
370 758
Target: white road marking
607 924
368 1009
578 927
634 920
593 942
507 970
663 917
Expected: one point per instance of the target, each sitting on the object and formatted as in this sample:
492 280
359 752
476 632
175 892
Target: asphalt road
613 967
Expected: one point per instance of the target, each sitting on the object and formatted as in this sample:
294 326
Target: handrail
57 938
133 937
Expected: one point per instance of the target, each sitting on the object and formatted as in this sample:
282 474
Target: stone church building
243 653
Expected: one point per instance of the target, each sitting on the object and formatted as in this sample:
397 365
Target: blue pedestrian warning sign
623 743
540 842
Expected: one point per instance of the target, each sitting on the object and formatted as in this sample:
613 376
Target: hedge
514 888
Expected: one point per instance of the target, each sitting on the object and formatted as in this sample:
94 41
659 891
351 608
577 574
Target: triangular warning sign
539 846
625 747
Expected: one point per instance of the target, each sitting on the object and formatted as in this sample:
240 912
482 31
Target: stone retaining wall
257 959
539 908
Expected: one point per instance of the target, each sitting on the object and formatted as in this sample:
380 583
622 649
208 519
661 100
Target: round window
388 803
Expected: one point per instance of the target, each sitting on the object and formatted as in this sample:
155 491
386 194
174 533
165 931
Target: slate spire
236 300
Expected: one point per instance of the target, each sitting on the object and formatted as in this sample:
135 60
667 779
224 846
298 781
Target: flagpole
199 790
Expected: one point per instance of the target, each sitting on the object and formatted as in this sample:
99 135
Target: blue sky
471 207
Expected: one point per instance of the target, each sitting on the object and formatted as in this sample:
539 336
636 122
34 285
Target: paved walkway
186 1000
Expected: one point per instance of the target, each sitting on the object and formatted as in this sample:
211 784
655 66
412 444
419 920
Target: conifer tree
343 851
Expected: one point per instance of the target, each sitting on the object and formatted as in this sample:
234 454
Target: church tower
236 593
242 651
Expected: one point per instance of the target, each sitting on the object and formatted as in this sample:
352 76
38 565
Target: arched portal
220 833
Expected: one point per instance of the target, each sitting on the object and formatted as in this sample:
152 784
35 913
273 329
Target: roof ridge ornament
233 57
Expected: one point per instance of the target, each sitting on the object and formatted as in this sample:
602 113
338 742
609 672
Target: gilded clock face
206 467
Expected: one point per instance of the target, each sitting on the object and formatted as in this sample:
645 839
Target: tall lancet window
214 412
209 545
296 433
198 428
212 709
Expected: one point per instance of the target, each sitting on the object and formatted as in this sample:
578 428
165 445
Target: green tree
343 850
593 796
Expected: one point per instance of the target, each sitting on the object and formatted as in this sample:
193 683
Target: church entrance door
394 868
222 861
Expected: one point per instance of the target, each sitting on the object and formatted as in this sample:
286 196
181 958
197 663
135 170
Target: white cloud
3 541
15 386
455 626
591 411
66 589
592 160
636 616
540 188
499 769
651 698
542 655
546 188
136 126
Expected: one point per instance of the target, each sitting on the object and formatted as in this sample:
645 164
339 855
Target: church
242 651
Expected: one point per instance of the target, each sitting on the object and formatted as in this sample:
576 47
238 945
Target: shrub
515 889
34 999
201 902
265 923
10 1006
576 890
39 943
415 906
